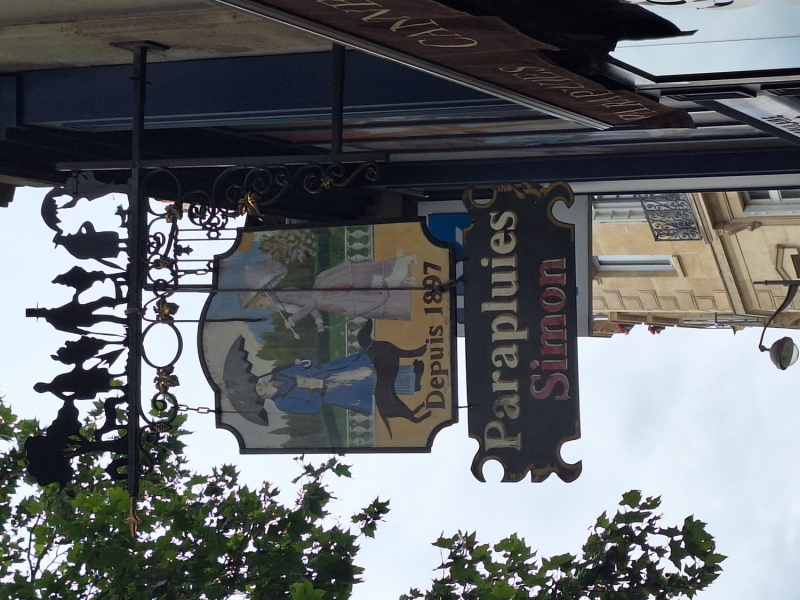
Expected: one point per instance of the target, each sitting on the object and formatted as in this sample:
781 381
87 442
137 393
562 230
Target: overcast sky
699 417
745 35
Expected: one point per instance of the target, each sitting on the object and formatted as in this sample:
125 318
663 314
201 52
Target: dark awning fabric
484 49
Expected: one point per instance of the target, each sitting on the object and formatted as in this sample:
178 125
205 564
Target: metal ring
177 353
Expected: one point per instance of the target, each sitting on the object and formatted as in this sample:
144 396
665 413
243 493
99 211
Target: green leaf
342 470
632 498
305 591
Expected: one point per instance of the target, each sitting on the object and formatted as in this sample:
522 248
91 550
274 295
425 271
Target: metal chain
204 410
201 410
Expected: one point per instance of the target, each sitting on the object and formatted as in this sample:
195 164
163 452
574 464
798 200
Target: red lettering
554 329
546 275
552 381
553 292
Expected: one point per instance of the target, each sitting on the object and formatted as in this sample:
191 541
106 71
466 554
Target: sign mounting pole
137 265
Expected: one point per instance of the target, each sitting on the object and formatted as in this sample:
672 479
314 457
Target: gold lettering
501 385
626 117
505 261
499 221
504 277
503 242
508 354
401 24
378 13
498 306
604 100
500 440
341 3
467 43
564 88
375 15
636 111
583 93
506 406
432 32
501 333
519 69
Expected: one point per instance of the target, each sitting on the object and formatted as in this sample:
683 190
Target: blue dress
351 393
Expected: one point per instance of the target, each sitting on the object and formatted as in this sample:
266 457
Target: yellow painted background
388 239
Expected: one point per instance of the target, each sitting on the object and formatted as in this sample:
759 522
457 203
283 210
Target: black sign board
521 331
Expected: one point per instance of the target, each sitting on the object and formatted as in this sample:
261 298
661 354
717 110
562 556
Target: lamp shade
784 353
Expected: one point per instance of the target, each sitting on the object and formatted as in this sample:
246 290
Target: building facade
694 260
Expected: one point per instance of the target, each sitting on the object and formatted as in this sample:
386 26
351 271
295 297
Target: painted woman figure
366 289
347 382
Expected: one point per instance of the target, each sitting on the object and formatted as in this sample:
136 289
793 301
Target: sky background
698 417
746 35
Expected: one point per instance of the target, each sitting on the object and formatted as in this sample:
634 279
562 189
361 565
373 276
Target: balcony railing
671 217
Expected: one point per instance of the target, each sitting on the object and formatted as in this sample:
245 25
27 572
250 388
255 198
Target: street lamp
784 352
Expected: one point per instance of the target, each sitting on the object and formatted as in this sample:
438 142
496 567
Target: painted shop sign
483 52
332 338
521 331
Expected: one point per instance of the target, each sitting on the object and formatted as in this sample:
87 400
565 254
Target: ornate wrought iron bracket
671 217
155 257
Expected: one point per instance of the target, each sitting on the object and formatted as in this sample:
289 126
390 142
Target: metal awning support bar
337 99
229 161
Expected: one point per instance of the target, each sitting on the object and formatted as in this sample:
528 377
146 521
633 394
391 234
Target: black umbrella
240 384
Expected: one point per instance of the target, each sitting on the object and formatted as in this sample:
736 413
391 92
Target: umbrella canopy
240 384
263 275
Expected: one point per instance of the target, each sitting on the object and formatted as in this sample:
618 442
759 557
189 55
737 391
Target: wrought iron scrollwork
671 217
161 277
156 259
235 192
250 190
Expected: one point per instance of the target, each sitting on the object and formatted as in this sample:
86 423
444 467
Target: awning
484 53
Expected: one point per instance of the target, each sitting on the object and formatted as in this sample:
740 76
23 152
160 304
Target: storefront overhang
483 53
697 170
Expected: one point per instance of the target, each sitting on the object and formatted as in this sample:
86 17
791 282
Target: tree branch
28 551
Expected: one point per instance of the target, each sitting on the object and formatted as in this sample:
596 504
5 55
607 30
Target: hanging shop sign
340 338
520 314
484 53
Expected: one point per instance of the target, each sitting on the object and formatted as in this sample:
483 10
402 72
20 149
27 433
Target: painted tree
207 537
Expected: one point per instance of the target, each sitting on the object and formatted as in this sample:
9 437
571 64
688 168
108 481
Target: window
617 209
634 262
772 202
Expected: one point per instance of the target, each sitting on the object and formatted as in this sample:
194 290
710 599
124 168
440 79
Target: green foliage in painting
282 347
291 245
325 429
335 246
